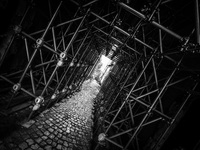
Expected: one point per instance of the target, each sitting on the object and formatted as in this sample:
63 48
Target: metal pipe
55 48
46 46
148 106
167 30
153 104
58 25
62 39
160 34
72 61
84 29
154 11
52 19
156 81
148 93
160 81
76 32
118 94
54 39
24 15
140 15
43 70
24 90
144 39
119 81
145 82
101 18
28 65
94 1
76 72
122 31
72 74
145 54
140 75
31 72
174 120
48 64
50 11
48 82
76 3
113 142
131 112
152 121
83 76
197 21
135 83
116 40
44 63
121 133
92 69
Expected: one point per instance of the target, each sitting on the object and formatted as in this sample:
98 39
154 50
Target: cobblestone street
65 126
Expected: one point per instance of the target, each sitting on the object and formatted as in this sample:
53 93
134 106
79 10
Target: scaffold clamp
39 100
16 87
60 63
39 42
17 29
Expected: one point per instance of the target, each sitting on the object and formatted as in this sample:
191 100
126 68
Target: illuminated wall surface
66 126
102 68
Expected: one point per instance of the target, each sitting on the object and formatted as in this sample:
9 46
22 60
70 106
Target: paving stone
47 121
29 141
64 148
49 141
64 126
48 147
70 145
39 133
65 144
59 135
74 141
50 130
38 140
51 136
44 137
54 144
55 132
2 147
59 146
12 145
23 145
35 146
43 143
46 133
64 138
42 130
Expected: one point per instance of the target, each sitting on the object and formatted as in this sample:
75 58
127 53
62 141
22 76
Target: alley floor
65 126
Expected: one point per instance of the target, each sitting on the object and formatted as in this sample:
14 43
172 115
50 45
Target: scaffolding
136 108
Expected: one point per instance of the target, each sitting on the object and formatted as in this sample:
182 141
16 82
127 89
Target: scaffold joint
16 87
62 55
39 100
60 63
39 42
17 29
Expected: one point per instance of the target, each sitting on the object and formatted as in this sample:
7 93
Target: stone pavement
66 126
